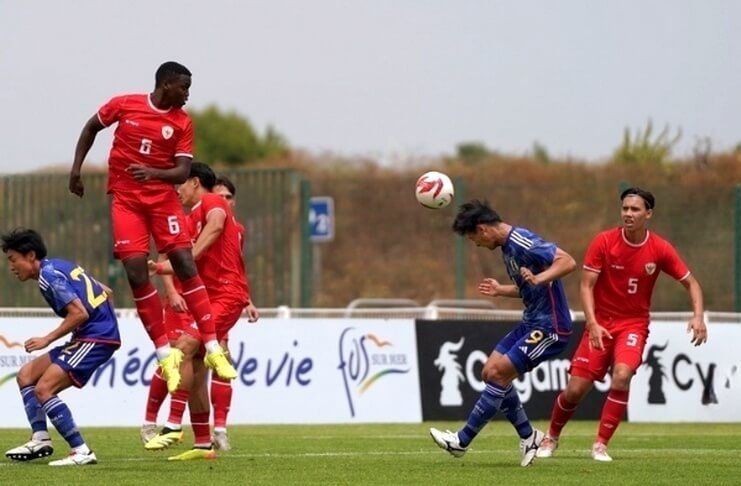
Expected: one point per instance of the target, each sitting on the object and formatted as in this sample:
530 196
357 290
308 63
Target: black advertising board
452 353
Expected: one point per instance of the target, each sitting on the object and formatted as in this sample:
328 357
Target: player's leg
172 432
198 404
587 365
629 344
497 374
40 444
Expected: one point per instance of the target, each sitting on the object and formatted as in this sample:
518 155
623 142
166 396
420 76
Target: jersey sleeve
595 256
184 146
542 252
672 264
110 113
60 291
211 204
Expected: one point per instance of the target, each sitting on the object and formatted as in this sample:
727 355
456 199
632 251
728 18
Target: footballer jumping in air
536 267
620 270
151 152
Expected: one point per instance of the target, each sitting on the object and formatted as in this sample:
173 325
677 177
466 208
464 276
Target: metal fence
272 204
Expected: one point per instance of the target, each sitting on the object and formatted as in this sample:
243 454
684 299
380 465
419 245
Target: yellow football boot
194 454
170 367
218 362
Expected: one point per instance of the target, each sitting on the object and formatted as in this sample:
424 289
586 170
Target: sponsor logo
365 359
650 268
167 132
132 123
447 362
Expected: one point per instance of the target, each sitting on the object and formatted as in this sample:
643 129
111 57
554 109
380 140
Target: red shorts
226 313
626 347
134 217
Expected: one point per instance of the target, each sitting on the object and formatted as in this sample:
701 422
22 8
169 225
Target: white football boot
33 449
76 459
221 440
599 452
147 432
547 447
449 441
529 447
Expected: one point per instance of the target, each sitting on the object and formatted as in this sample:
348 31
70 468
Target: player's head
226 189
25 249
636 208
200 181
173 79
478 222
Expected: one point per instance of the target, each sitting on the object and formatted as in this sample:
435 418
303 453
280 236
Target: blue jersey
61 282
545 305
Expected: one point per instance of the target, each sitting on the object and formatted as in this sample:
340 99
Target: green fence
272 204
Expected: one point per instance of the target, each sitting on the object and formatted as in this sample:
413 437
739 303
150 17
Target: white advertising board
679 382
290 371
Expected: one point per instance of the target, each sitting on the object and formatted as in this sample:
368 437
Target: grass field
398 454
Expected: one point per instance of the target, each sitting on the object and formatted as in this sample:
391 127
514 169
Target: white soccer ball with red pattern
434 190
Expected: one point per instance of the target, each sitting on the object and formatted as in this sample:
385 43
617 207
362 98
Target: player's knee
576 391
24 377
621 377
43 392
137 277
494 373
183 264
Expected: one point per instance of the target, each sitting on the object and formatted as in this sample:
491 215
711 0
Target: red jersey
628 273
221 266
145 135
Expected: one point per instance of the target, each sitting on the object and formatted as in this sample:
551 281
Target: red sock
612 414
563 410
221 400
149 307
201 430
194 293
177 407
157 394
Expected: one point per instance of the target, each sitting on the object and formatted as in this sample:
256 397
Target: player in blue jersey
535 266
82 303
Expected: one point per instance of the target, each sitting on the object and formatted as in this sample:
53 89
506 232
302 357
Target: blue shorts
528 346
80 359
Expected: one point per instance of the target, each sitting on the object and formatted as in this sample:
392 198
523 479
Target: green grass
645 454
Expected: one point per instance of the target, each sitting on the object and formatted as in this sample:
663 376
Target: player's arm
76 315
176 301
215 221
493 288
586 291
173 175
696 325
562 265
87 137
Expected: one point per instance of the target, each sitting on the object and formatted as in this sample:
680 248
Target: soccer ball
434 190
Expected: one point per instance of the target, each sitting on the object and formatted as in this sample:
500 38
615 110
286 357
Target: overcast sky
380 77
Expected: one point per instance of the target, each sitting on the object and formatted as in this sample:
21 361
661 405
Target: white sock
83 449
172 426
212 346
148 424
41 435
162 352
220 429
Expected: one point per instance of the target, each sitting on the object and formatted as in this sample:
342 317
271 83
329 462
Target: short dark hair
24 241
169 70
473 213
647 197
222 180
204 173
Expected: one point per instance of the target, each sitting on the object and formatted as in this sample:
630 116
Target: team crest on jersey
167 131
650 268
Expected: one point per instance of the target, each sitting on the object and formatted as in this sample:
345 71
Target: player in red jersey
152 151
218 254
620 269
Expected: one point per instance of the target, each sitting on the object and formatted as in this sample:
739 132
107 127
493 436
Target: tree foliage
230 138
643 149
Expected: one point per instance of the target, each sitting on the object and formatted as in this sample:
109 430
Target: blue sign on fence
321 218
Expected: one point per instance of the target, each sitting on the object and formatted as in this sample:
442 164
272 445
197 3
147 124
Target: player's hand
152 267
177 302
141 172
597 335
490 287
36 343
699 331
252 313
529 276
75 184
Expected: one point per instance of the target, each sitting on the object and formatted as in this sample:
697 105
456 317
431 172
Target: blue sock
484 410
61 417
34 412
512 408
